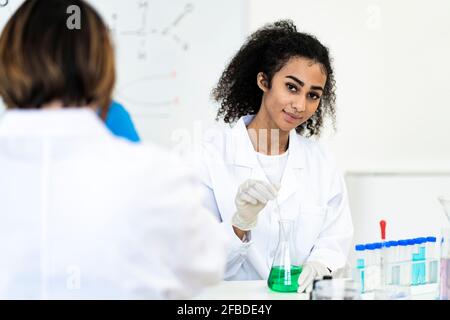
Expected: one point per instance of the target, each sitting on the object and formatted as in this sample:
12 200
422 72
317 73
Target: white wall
408 202
392 64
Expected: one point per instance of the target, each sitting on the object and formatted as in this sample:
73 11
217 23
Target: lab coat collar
52 122
244 154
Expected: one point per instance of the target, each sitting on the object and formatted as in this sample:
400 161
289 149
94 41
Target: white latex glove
252 196
311 270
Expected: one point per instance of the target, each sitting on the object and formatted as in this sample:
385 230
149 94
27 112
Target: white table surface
258 290
247 290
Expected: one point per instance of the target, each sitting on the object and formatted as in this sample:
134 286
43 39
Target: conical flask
286 268
445 202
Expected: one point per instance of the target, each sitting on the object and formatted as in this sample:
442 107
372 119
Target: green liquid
282 280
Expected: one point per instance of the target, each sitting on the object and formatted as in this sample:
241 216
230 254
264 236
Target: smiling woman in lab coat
83 214
278 88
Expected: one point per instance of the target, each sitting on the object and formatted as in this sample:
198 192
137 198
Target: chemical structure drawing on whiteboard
146 35
168 55
142 84
143 31
139 37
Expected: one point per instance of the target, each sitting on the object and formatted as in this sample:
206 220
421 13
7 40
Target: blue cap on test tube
411 242
431 239
370 246
421 240
391 243
402 243
378 245
360 247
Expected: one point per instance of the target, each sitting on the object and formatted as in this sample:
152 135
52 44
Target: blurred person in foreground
83 214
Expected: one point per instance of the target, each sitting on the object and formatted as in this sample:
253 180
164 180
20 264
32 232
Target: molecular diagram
142 32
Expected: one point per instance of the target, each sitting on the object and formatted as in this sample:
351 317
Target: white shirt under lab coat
86 215
312 193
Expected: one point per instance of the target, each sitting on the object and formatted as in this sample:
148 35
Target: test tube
405 262
421 242
370 273
377 252
380 263
360 264
432 259
413 244
393 274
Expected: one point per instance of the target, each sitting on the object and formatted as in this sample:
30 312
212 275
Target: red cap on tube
383 229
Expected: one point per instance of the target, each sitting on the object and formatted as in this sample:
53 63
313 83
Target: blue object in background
119 122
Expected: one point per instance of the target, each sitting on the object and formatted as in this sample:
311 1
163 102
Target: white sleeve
333 245
201 242
173 247
236 249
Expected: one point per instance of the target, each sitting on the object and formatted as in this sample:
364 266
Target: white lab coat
86 215
312 193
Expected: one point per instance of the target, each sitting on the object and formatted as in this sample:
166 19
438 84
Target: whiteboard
170 54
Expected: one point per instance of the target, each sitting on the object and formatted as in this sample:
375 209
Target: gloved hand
252 196
311 270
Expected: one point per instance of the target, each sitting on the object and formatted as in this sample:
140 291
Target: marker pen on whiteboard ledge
383 253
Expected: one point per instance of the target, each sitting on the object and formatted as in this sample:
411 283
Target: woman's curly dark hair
268 50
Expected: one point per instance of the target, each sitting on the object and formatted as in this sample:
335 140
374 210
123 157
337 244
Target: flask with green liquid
286 268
